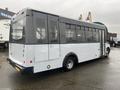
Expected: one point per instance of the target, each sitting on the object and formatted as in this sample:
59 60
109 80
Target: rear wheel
107 52
5 45
69 63
114 45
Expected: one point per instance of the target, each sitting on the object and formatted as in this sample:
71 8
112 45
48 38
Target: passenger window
53 32
41 31
95 35
80 34
89 34
70 33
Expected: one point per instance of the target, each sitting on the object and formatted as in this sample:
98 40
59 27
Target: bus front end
20 55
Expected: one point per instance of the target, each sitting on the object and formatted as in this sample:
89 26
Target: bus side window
41 31
70 33
80 34
53 32
83 30
95 35
89 34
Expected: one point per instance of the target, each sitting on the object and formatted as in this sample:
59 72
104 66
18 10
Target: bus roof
66 20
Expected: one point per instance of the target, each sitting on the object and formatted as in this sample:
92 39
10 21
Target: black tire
107 52
69 63
5 45
114 45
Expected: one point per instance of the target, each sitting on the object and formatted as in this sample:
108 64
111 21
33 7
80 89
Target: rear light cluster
28 62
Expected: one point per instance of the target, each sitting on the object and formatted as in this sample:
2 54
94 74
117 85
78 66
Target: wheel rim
70 64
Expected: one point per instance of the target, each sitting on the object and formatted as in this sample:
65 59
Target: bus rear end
19 53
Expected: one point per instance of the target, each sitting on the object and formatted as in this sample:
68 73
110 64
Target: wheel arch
71 54
108 49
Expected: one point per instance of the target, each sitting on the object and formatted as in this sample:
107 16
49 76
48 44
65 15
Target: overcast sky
106 11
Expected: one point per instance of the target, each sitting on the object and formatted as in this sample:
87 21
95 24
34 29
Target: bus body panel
22 55
54 51
41 53
16 53
83 51
29 54
47 65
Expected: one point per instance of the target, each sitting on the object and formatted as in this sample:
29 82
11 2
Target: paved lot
101 74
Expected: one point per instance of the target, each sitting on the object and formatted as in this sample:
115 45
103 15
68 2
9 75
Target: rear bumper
20 68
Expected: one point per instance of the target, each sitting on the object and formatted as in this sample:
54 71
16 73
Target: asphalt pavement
100 74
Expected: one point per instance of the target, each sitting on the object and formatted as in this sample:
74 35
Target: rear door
41 35
53 28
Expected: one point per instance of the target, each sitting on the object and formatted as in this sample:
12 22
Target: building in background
5 17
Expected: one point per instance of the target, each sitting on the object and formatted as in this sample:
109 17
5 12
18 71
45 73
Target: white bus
41 41
4 32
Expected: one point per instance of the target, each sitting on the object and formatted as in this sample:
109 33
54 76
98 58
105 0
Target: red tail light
27 62
30 61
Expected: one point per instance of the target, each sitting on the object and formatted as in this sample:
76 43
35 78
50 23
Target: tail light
27 62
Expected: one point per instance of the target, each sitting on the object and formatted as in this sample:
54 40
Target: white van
4 32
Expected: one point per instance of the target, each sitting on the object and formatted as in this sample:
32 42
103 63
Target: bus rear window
17 30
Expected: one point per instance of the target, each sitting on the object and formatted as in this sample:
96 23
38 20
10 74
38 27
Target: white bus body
40 41
4 32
